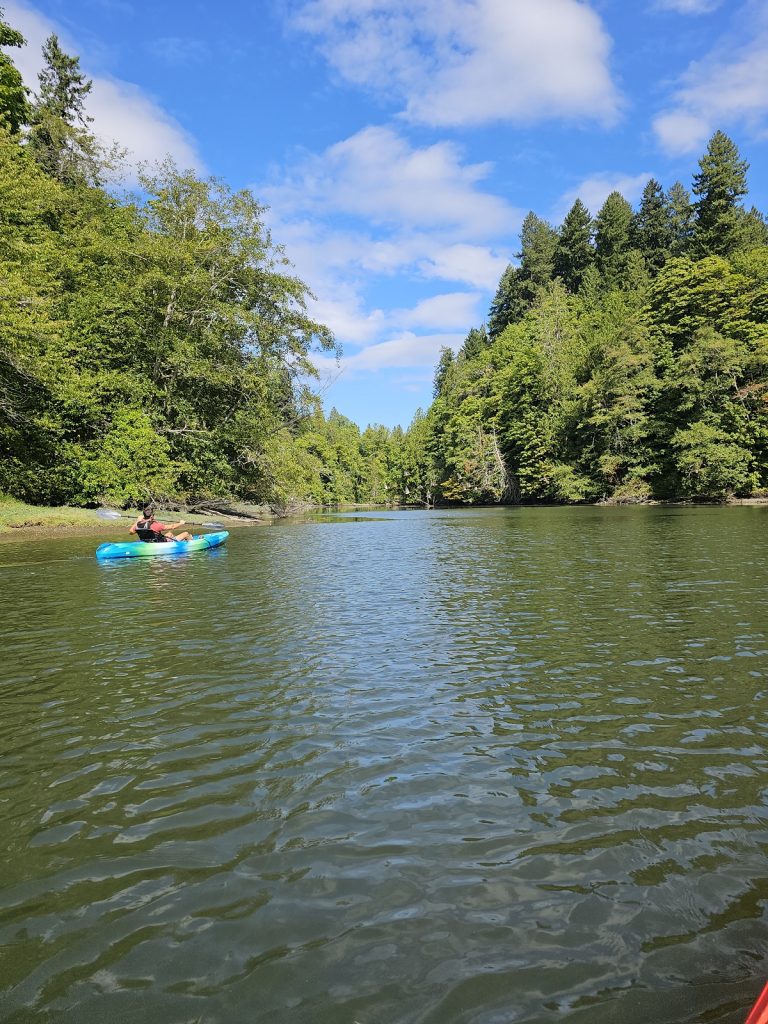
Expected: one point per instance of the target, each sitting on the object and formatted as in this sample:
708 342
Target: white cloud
462 62
121 111
347 318
453 310
688 6
722 90
374 208
378 175
402 351
474 265
681 132
593 191
321 250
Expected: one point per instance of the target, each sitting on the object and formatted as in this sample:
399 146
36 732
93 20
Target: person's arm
165 527
133 528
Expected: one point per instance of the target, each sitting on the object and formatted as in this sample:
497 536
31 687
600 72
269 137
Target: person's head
148 512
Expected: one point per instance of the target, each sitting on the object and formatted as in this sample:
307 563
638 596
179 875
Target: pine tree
538 241
653 228
752 229
507 306
476 341
574 252
719 185
60 138
14 107
681 218
613 238
442 370
519 286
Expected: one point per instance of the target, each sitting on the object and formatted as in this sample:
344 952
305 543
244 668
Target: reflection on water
472 767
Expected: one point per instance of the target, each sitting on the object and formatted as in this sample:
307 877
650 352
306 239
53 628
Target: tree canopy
634 366
160 345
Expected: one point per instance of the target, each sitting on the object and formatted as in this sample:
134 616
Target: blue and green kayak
141 549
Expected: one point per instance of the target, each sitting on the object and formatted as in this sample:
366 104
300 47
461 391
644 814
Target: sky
398 144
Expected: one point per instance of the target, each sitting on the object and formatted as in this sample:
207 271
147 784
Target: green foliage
632 369
475 342
653 227
613 239
445 364
507 305
14 103
719 185
538 244
129 464
682 218
709 462
59 137
574 253
161 347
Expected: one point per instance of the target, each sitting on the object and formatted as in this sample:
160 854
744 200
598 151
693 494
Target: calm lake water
479 767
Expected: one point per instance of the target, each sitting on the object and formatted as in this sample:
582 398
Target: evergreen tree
752 228
653 227
14 106
519 286
60 139
613 238
681 213
719 185
574 252
444 365
476 341
538 241
507 306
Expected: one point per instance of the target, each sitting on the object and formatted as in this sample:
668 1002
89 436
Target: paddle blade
214 526
106 513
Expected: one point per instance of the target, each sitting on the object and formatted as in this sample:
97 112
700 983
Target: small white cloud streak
474 265
121 111
451 310
593 191
688 6
178 50
462 62
403 351
727 88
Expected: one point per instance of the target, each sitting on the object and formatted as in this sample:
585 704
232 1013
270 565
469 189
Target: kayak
142 549
759 1013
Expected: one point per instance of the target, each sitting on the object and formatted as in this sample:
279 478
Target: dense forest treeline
158 345
625 358
155 345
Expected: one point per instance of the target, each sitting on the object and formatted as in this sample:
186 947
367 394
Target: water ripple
423 768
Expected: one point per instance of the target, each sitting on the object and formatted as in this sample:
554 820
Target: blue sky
399 143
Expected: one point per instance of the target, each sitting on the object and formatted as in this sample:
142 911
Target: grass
16 515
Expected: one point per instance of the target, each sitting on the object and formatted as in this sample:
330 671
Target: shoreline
19 520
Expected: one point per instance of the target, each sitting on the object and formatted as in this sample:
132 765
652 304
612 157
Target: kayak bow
759 1013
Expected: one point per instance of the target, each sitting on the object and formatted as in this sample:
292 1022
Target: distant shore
18 519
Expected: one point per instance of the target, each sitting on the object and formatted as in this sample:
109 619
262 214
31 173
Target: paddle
106 513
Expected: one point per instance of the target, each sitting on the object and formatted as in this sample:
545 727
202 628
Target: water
471 767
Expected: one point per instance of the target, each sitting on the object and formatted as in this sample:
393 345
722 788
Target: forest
157 345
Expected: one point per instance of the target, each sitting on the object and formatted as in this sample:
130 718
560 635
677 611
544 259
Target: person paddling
151 531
